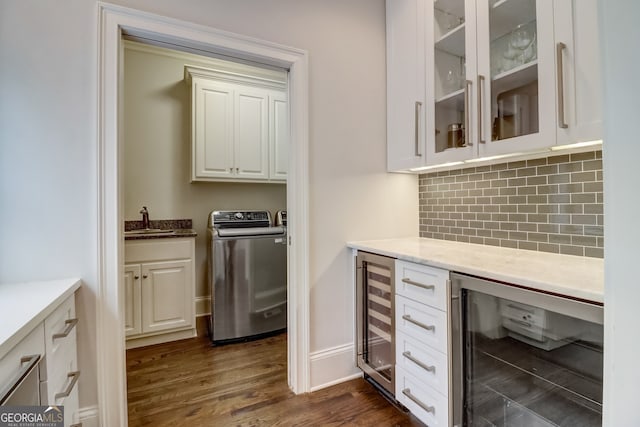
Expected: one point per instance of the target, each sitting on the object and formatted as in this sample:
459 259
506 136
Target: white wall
48 210
157 150
621 153
48 158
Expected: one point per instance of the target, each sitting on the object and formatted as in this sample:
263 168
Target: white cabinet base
160 338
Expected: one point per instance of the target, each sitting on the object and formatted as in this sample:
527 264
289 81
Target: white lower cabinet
422 341
159 288
52 346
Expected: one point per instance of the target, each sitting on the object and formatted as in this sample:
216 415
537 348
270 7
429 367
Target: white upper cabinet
405 84
239 129
472 79
278 136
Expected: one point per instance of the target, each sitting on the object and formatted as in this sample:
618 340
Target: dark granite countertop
166 229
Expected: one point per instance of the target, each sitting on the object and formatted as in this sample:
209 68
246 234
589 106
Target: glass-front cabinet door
516 82
450 70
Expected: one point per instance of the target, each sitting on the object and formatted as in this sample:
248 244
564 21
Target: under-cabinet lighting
486 159
444 165
577 145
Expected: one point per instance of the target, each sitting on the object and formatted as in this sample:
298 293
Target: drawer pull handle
423 365
71 323
420 285
407 392
31 363
74 379
417 323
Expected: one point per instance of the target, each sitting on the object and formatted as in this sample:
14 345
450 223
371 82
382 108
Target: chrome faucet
146 224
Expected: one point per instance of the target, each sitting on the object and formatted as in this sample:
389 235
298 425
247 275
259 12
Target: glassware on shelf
521 39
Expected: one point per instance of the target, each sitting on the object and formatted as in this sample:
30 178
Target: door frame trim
113 22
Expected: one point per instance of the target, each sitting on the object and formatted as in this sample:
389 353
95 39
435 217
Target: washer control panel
240 219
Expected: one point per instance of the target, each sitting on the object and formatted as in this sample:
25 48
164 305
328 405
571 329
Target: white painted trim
88 416
203 306
160 338
335 362
113 21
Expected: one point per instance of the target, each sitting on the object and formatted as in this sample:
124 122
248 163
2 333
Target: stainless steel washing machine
247 274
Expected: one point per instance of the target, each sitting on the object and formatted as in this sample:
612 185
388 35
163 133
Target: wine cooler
375 318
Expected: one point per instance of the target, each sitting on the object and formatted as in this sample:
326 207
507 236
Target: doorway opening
116 22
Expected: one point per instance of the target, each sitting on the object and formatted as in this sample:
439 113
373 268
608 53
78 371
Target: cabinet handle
31 364
237 170
407 392
467 105
418 323
136 277
71 323
144 276
420 285
417 127
74 379
423 365
230 170
560 77
481 140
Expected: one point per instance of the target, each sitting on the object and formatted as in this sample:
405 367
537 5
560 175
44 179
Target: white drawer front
158 249
422 283
422 322
429 406
60 341
426 364
11 364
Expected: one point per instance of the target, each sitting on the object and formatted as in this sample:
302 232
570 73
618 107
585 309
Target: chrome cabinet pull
417 128
29 364
423 365
74 379
407 392
418 323
467 102
71 323
481 140
560 77
418 284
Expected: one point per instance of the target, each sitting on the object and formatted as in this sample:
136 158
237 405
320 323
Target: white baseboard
88 416
203 306
333 366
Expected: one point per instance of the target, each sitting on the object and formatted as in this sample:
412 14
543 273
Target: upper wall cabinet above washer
475 79
239 127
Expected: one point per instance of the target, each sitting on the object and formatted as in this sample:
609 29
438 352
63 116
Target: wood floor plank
191 383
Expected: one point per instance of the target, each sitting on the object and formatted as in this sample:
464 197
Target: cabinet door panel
132 300
251 143
405 84
576 26
167 301
516 55
213 127
278 136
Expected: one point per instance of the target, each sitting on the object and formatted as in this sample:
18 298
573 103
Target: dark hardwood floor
191 383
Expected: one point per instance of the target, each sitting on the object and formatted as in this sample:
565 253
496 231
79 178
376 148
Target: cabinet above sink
471 81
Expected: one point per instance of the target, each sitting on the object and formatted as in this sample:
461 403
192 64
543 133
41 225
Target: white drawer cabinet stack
422 371
62 373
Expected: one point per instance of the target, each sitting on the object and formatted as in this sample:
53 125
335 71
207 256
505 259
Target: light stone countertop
572 276
23 306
